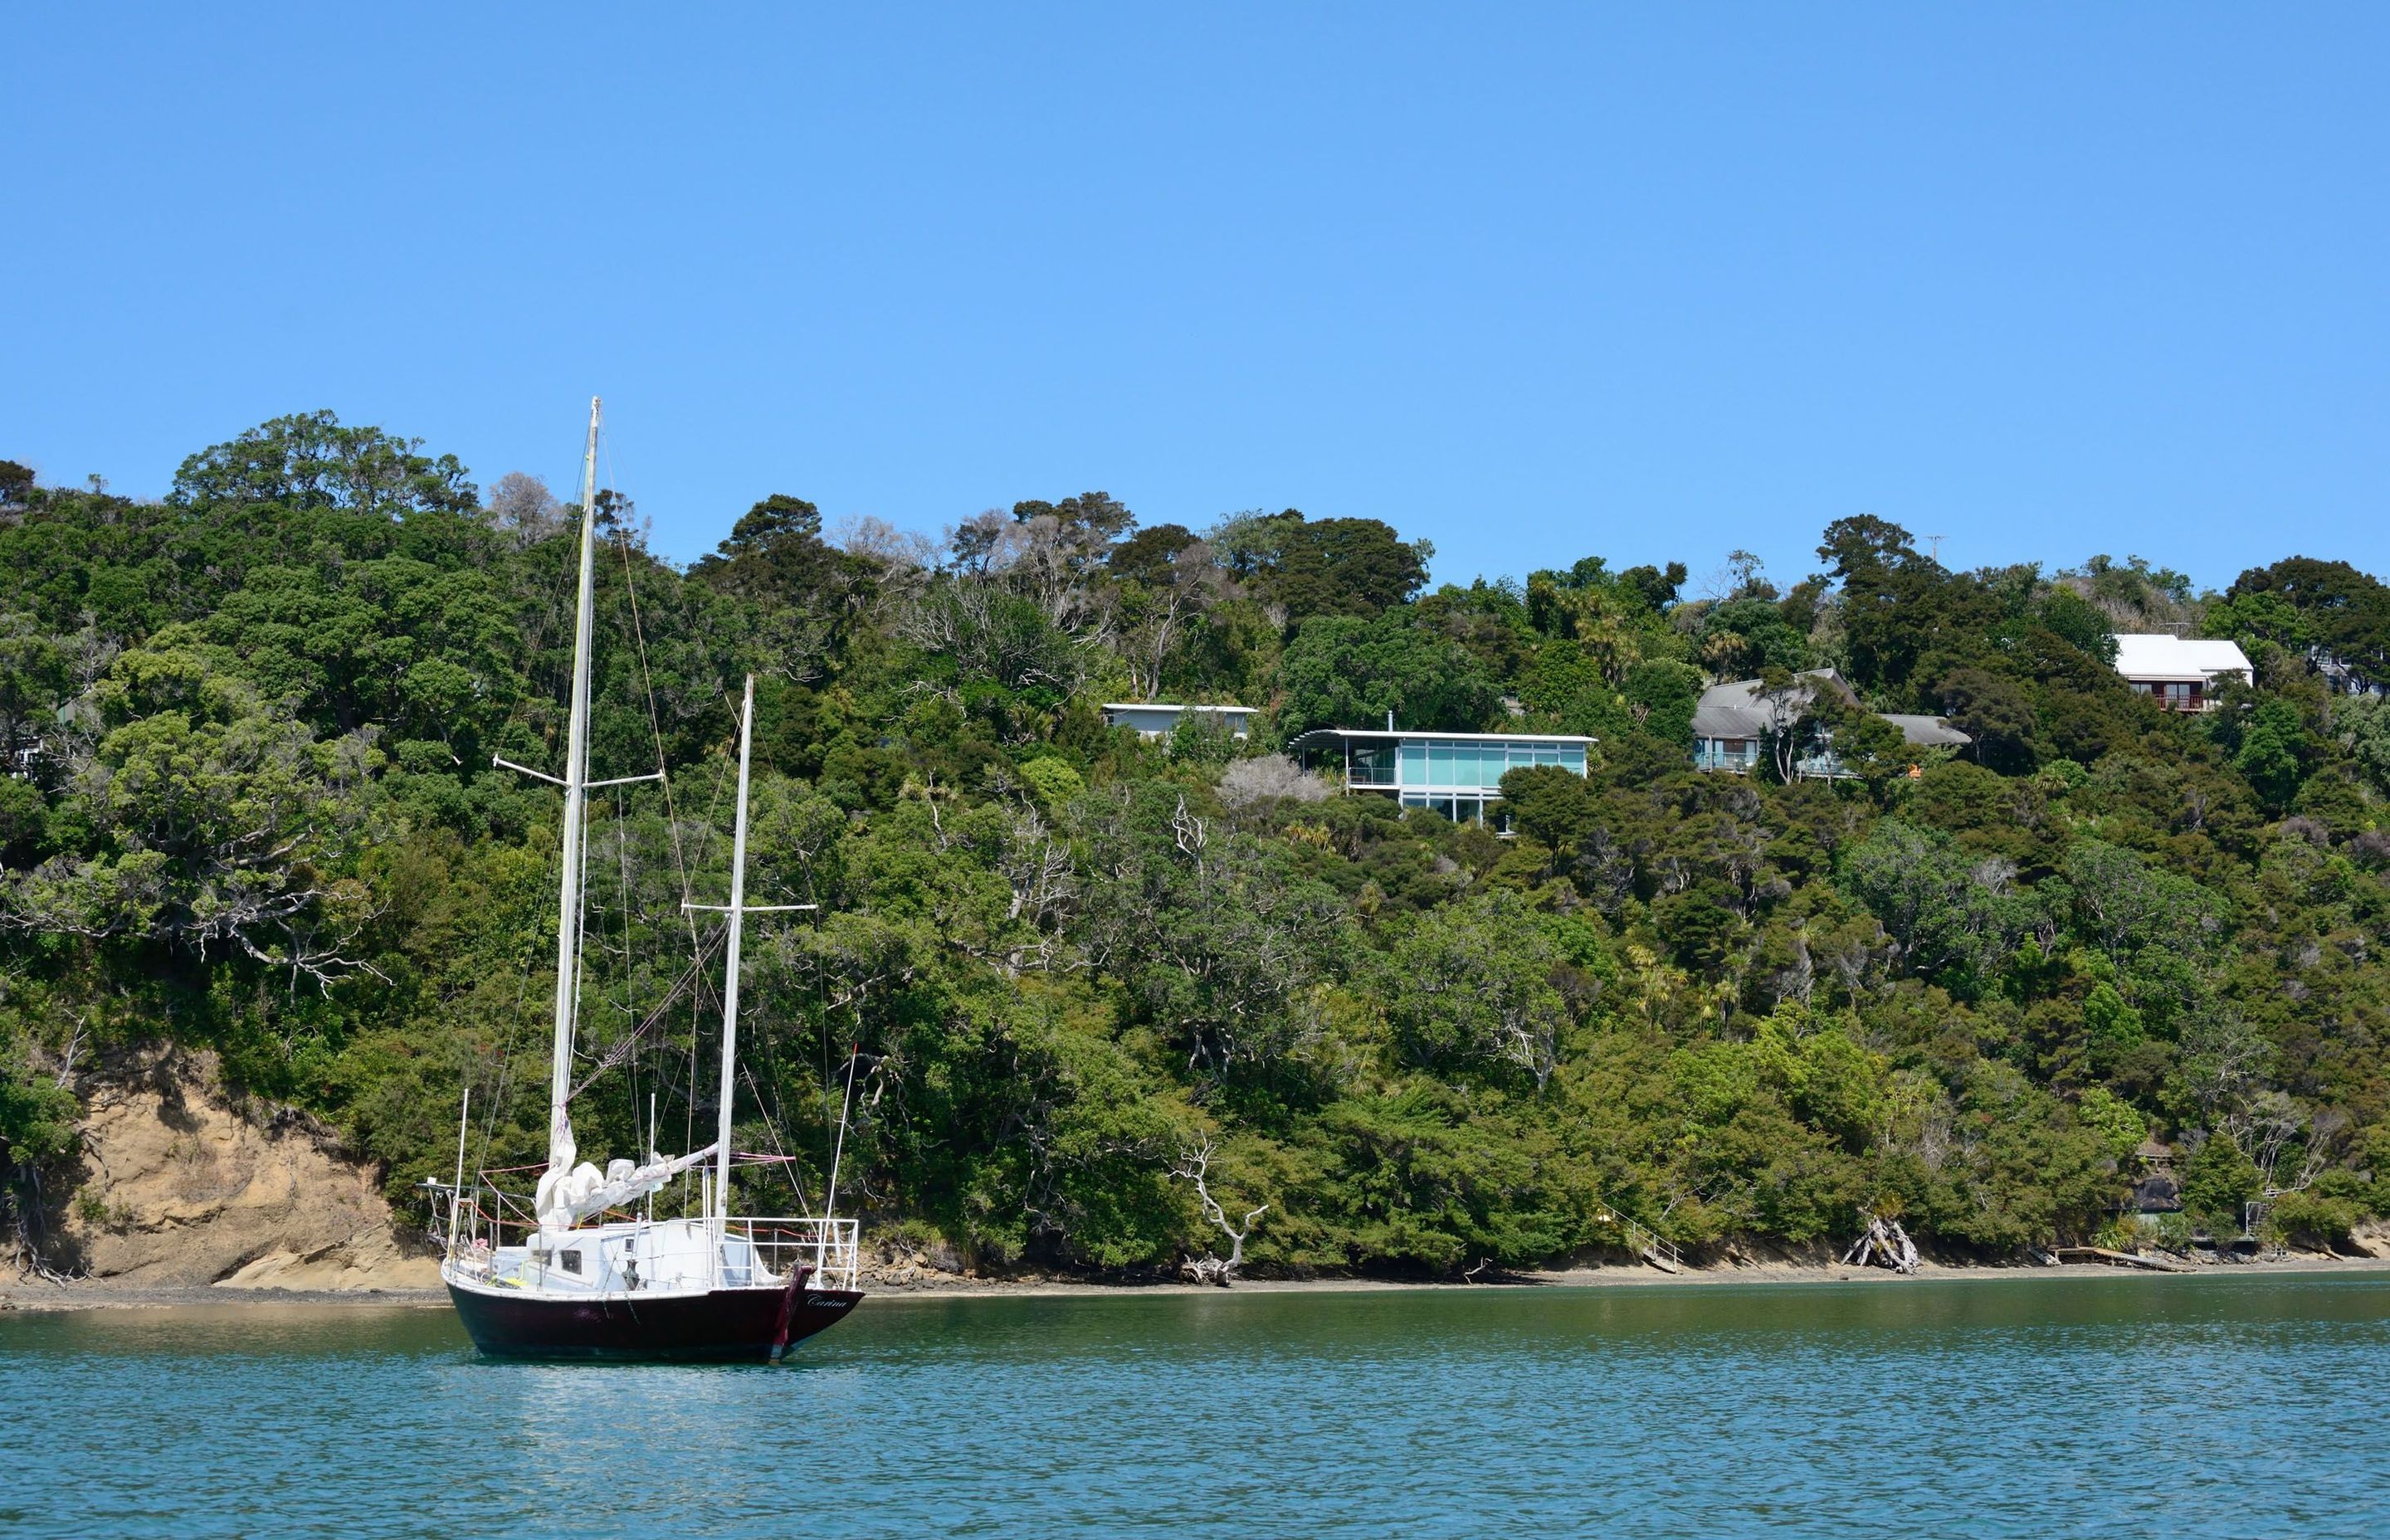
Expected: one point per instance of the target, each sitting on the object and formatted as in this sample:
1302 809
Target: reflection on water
2211 1406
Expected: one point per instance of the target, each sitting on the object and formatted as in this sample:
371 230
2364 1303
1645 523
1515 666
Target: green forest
251 809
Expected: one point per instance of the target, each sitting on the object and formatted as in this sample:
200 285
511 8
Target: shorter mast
730 965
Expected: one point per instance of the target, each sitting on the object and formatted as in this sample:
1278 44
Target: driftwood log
1883 1244
1218 1271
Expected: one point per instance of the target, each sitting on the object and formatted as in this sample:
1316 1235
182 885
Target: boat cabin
668 1255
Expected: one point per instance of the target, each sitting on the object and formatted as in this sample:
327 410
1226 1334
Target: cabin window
571 1259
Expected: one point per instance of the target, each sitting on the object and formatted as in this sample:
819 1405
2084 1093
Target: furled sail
567 1198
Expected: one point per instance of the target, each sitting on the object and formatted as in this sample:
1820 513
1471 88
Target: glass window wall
1457 809
1472 766
1373 766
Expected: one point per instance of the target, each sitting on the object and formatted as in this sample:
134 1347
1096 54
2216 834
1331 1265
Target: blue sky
1650 282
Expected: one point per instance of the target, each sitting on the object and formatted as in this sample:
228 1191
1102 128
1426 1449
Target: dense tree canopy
252 807
2319 610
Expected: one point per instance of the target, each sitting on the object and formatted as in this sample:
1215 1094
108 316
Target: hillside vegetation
254 812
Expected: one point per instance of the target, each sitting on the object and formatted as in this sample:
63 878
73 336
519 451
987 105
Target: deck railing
1737 762
832 1248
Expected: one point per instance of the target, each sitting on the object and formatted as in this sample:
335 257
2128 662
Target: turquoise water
2186 1407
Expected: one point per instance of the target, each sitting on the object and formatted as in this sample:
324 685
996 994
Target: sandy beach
39 1295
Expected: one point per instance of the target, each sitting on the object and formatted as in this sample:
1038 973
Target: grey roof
1932 732
1724 714
1736 709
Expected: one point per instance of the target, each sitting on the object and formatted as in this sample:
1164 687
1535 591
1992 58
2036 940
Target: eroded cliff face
182 1188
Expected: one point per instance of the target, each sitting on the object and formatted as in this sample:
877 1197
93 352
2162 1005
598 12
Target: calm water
2222 1407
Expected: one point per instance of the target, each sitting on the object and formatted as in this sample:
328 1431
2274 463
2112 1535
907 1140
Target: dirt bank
182 1188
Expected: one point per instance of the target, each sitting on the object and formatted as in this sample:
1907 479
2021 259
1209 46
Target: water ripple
2207 1407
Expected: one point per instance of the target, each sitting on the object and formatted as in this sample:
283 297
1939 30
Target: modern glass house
1458 775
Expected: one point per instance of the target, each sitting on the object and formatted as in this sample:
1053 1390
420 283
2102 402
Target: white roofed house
2179 671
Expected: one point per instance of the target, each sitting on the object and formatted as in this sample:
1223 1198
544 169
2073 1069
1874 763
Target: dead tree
1883 1244
1208 1268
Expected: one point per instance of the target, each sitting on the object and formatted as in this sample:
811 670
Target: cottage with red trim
2181 671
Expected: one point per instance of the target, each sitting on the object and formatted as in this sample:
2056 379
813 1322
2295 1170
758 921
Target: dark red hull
728 1324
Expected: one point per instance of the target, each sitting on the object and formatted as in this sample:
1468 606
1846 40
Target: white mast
561 1150
730 963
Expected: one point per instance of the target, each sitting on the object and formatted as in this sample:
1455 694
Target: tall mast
730 961
560 1147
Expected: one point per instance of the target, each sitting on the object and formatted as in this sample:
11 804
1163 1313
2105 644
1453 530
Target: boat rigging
572 1273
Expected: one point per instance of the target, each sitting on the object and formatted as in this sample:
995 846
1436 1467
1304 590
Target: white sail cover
566 1198
562 1151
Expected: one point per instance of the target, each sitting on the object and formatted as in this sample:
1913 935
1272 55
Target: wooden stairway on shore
1652 1248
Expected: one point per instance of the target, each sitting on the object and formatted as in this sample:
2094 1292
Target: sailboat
577 1272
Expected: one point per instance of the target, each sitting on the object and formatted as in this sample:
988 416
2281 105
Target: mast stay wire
627 1045
700 994
506 1053
700 949
655 723
663 778
507 1044
691 977
671 814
